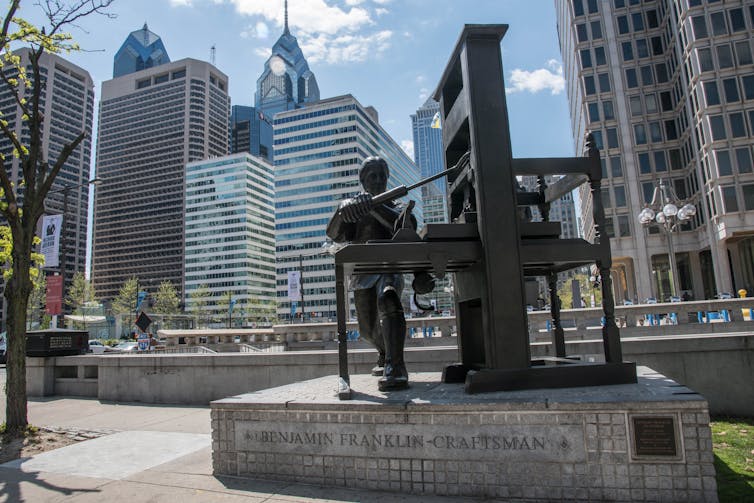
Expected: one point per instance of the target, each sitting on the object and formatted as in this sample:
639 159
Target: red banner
54 295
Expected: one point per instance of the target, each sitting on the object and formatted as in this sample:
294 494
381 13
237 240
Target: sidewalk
155 453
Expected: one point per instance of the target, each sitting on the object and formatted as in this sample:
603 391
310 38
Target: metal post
64 239
301 284
673 265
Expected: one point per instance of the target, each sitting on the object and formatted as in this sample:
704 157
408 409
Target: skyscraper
151 124
142 49
428 157
67 103
250 131
668 90
230 235
286 82
318 152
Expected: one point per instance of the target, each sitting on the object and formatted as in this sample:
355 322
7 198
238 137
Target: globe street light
664 212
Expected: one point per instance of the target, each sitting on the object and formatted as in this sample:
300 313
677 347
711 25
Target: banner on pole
54 291
50 246
294 285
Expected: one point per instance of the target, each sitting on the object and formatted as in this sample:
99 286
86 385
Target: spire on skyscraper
286 31
142 49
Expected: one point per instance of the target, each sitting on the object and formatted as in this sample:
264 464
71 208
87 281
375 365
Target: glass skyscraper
142 49
428 157
250 131
667 87
230 235
318 152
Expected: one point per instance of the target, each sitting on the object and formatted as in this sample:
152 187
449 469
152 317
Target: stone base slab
648 441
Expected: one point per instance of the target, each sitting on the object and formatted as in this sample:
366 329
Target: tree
80 292
586 287
125 301
22 82
35 311
166 299
198 303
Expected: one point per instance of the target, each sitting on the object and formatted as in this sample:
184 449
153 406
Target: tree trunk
17 293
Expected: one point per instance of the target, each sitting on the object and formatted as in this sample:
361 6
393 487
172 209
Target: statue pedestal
645 441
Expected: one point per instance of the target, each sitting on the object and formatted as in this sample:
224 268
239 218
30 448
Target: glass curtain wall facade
250 131
667 88
151 124
142 49
67 103
318 152
230 238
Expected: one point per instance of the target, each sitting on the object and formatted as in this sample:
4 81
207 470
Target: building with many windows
230 238
67 104
428 157
318 152
250 131
151 124
667 87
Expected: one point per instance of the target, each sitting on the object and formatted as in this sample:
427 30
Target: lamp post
664 212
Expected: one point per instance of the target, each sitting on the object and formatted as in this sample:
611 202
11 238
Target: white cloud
380 11
344 48
259 30
264 52
550 78
354 2
408 147
307 15
180 3
423 94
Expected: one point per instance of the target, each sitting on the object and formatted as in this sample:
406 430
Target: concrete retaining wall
720 367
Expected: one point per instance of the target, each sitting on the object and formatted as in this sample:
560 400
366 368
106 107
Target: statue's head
373 175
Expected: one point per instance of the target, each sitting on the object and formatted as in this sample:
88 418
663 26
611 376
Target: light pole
663 211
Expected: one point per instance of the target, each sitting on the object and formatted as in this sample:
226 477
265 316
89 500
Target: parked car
96 347
126 347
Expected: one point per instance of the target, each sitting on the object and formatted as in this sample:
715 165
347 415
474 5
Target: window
652 21
599 56
743 53
631 80
646 76
141 84
662 72
737 22
620 196
589 85
622 24
717 126
624 226
717 19
648 190
666 100
592 6
657 46
604 81
700 27
586 58
751 119
705 60
635 104
748 191
730 86
628 51
743 160
607 110
675 158
616 170
650 103
724 166
711 96
660 164
612 138
594 113
644 166
671 132
596 30
619 4
578 8
641 134
598 139
581 35
638 21
724 56
729 199
655 132
747 81
642 50
737 125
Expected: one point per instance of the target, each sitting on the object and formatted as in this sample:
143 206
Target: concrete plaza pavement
144 453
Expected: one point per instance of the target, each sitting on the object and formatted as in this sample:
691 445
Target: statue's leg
394 334
369 324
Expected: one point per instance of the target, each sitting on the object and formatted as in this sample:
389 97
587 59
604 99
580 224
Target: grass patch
733 446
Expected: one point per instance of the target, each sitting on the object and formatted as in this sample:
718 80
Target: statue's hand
357 208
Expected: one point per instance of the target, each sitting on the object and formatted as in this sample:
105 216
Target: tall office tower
151 124
318 152
142 49
286 82
428 157
250 131
68 107
668 89
230 236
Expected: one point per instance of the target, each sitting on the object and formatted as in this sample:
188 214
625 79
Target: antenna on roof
212 54
286 19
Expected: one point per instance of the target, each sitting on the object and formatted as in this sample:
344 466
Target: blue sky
387 53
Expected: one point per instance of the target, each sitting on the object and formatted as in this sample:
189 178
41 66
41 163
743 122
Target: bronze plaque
655 436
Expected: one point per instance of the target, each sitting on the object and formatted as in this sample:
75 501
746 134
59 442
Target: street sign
143 321
54 292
